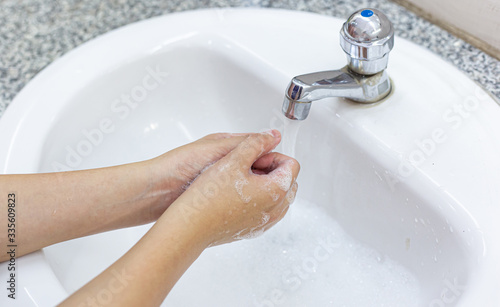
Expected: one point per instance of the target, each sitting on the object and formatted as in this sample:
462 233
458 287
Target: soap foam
275 196
290 196
224 167
317 265
239 184
283 176
255 231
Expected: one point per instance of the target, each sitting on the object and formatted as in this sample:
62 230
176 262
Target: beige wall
476 21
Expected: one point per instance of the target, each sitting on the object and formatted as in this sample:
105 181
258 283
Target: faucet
366 37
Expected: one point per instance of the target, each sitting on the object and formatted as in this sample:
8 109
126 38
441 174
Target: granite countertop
33 33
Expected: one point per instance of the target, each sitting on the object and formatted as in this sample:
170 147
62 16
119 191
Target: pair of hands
221 188
228 186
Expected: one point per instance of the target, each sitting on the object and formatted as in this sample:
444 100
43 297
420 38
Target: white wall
476 21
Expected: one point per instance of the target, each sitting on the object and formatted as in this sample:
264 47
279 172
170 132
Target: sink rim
18 110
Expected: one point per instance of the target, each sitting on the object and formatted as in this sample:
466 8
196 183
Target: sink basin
413 180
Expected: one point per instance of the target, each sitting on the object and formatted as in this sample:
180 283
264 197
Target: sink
413 180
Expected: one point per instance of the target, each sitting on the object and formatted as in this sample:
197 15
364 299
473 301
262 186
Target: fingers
280 210
218 136
276 172
290 196
254 146
220 144
273 162
224 143
265 164
279 213
225 135
282 162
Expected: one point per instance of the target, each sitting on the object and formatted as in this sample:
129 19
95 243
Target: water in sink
317 264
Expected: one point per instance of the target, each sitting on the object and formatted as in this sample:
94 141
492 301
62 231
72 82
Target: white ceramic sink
415 179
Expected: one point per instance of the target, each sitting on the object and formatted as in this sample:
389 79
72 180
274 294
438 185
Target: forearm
147 272
56 207
62 206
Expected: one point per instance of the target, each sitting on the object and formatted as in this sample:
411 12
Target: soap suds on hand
283 176
254 231
290 196
239 184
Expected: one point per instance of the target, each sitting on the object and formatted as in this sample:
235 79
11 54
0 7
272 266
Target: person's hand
171 173
243 194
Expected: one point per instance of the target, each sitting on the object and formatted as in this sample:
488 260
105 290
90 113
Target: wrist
162 184
186 224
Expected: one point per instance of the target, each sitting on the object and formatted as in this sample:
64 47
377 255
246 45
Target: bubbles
253 233
275 196
290 196
318 265
239 184
224 166
283 176
265 218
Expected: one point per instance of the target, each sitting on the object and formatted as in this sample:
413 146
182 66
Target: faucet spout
295 110
305 89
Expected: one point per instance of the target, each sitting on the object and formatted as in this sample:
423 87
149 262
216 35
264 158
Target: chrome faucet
366 37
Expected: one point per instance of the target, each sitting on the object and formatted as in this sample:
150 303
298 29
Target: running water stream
289 142
289 136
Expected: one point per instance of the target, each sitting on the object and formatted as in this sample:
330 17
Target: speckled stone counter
34 33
